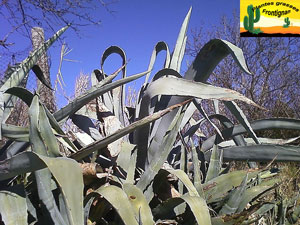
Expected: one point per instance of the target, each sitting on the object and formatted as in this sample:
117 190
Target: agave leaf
9 107
194 128
188 115
139 203
36 141
87 208
47 134
161 156
124 157
181 87
252 193
262 152
71 186
199 208
231 205
160 46
209 57
118 97
180 43
131 168
197 171
264 124
215 163
27 97
39 74
183 165
204 114
13 205
120 133
250 141
183 177
218 187
196 203
43 176
21 93
11 148
119 200
181 55
114 50
166 209
241 117
16 133
238 139
18 74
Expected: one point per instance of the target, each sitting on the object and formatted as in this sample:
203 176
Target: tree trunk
46 95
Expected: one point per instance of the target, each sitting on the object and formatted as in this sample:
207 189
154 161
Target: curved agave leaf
181 87
250 141
139 203
262 152
199 209
39 73
160 46
118 97
264 124
119 200
209 57
183 177
196 203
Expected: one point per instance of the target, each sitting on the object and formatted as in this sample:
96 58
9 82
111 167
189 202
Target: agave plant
140 165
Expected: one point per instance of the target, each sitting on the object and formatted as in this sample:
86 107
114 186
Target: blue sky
136 26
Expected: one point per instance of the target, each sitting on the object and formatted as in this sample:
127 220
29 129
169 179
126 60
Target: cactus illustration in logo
287 22
250 20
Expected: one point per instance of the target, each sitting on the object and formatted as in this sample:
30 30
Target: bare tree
22 15
273 62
